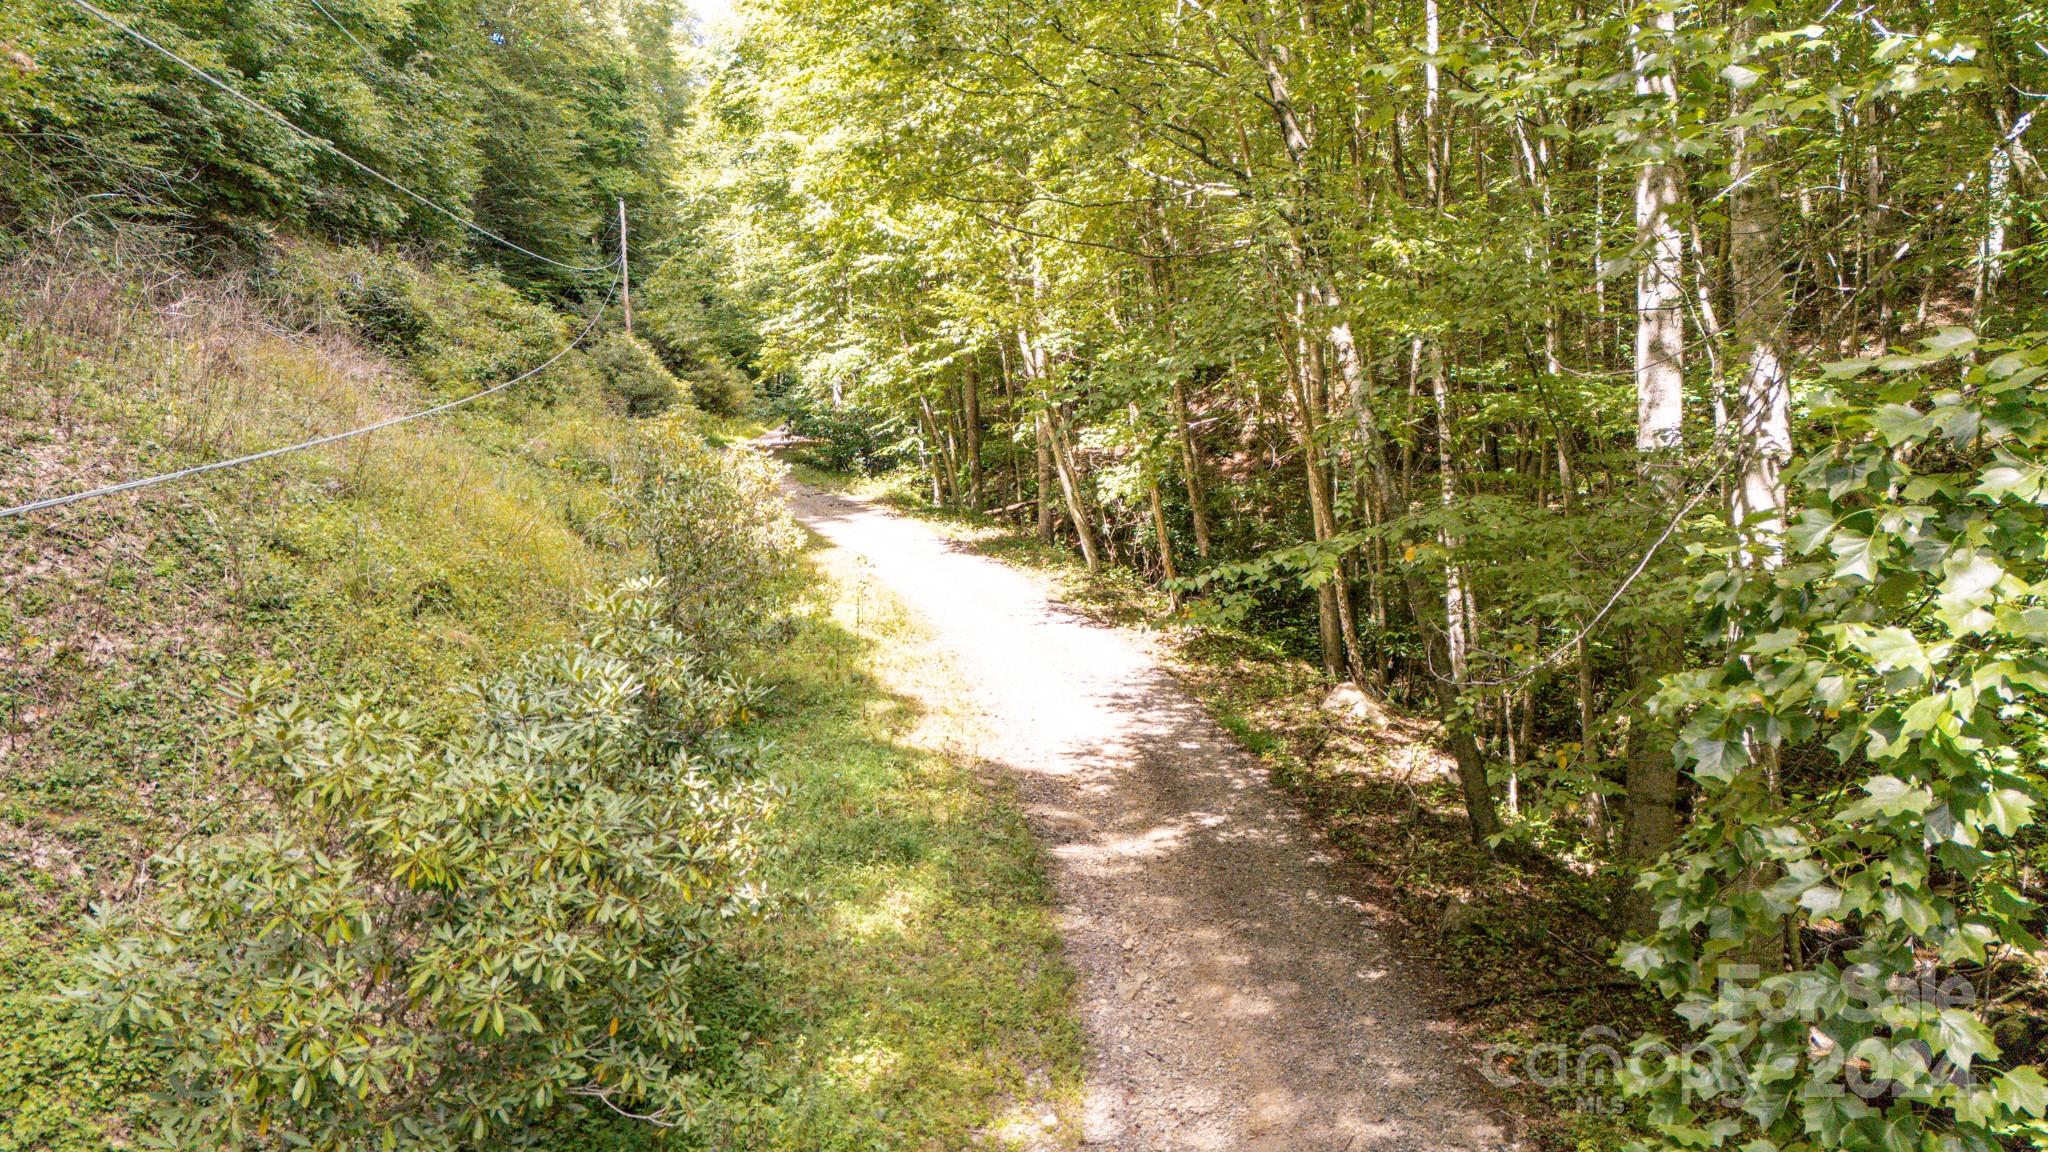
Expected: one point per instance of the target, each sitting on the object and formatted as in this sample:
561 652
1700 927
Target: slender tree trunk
1660 288
1302 390
1763 433
1014 414
1052 443
1597 820
1045 482
1166 568
944 470
1159 529
1875 217
1762 439
1433 134
1998 210
1652 778
1452 676
1598 342
970 415
1070 486
1191 467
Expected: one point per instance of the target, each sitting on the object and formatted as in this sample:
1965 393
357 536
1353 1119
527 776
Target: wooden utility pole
625 270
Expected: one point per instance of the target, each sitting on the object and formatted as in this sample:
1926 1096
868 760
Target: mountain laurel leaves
454 930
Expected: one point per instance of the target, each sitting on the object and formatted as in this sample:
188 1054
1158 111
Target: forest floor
1233 986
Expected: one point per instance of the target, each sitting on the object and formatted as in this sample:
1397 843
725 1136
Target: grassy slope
1531 965
403 563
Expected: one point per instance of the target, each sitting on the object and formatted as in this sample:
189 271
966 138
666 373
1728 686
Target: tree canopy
1648 392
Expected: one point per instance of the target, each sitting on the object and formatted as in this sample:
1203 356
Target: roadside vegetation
235 743
911 994
503 777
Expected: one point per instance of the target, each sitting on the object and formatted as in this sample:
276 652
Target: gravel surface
1233 992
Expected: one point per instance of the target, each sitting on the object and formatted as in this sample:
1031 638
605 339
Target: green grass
402 563
910 994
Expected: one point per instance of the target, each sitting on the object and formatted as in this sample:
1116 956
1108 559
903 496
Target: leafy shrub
458 330
450 935
847 438
717 386
1871 872
721 538
634 377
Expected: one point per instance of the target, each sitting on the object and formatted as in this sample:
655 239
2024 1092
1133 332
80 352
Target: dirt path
1233 993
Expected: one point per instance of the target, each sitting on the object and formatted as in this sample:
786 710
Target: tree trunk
1452 675
1166 568
1159 529
1303 390
1052 443
944 471
970 415
1763 434
1652 777
1045 511
1070 486
1191 467
1597 821
1660 289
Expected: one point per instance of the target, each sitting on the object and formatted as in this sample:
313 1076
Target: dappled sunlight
915 997
863 1068
894 911
1234 990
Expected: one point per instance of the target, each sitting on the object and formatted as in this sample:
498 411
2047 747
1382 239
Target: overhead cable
317 441
322 142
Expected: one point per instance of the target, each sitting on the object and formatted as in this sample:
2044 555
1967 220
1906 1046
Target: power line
322 142
217 465
342 28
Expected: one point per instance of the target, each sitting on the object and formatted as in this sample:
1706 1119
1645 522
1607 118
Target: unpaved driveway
1233 993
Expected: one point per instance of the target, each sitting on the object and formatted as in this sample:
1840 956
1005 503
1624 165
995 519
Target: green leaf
1887 796
1739 77
1821 900
1898 423
2023 1090
1856 556
2009 810
1962 1037
1890 648
2027 483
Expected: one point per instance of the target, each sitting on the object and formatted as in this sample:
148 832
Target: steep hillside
400 563
905 989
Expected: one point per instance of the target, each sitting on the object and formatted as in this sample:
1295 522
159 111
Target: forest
1638 409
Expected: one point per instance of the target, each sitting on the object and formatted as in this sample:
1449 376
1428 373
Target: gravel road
1234 994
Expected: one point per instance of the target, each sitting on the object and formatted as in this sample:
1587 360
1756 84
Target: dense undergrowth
434 553
459 551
